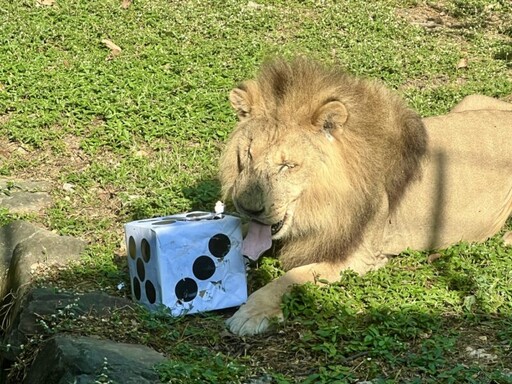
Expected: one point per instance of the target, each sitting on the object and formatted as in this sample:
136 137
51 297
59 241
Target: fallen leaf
68 187
115 50
481 354
126 4
433 257
254 5
463 63
45 3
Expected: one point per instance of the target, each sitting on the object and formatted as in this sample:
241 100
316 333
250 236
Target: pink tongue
257 241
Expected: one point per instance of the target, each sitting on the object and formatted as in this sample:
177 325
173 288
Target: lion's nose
250 211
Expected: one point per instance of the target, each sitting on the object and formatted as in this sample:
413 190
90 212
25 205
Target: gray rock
67 359
41 302
25 247
63 358
24 185
21 196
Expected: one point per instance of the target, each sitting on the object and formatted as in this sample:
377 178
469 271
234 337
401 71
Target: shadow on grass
388 342
325 343
203 194
198 197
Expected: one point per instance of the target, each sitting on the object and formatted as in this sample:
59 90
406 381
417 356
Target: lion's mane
375 153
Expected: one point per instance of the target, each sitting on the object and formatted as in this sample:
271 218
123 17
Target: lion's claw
251 319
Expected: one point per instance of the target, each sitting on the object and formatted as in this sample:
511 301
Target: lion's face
315 154
275 160
272 174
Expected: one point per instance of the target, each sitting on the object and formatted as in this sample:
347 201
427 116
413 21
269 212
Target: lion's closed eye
286 166
239 161
244 156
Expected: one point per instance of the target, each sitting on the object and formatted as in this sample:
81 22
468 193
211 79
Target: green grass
138 134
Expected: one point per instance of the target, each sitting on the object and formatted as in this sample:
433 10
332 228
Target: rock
26 319
26 202
20 196
24 185
67 359
41 302
23 248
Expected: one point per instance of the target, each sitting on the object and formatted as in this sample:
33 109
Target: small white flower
219 207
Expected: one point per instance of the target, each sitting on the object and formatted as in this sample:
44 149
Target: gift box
189 262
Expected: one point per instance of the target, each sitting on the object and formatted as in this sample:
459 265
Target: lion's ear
330 116
243 99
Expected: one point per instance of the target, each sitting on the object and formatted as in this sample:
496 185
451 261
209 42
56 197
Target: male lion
344 175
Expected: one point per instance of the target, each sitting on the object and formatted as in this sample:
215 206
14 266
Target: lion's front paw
254 317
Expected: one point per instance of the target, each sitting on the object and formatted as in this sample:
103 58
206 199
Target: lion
344 175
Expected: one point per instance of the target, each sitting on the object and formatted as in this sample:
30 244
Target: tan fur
287 115
350 169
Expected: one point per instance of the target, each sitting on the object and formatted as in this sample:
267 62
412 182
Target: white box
190 262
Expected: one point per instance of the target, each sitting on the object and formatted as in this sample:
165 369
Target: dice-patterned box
189 262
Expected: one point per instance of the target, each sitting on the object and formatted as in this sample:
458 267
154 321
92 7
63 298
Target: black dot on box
145 250
150 292
136 288
203 268
219 245
186 289
141 271
132 250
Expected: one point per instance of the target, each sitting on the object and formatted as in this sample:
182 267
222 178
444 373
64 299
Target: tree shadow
200 196
407 342
203 194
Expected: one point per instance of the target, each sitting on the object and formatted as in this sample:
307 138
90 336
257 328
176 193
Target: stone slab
24 196
46 302
69 359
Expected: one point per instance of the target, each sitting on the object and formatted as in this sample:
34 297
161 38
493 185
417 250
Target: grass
137 134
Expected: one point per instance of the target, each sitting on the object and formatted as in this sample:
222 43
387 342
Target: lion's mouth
274 228
259 238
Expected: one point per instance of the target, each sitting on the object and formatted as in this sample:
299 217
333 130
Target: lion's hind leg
480 102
